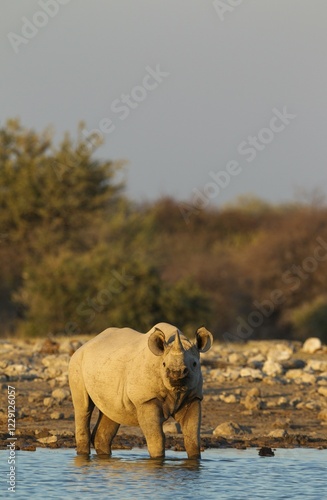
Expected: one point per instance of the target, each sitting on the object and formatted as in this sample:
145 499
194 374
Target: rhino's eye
164 364
194 363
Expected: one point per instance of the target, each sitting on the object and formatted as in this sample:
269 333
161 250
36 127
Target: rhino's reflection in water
143 465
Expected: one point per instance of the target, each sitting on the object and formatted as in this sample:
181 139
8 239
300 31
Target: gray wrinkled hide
138 379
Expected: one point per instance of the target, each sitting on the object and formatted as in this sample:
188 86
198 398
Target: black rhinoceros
138 379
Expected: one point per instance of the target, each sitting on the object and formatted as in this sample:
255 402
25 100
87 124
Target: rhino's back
109 362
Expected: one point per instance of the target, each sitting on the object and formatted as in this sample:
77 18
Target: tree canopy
77 256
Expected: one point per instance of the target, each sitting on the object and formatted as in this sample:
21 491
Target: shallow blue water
221 474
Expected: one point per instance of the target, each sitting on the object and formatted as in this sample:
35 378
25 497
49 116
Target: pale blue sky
227 73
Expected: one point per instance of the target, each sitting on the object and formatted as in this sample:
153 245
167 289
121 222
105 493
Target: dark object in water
265 451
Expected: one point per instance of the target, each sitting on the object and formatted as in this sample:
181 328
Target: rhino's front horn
177 347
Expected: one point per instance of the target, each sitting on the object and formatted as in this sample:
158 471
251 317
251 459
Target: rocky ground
264 394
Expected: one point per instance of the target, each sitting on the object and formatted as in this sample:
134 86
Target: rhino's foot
82 451
83 447
103 453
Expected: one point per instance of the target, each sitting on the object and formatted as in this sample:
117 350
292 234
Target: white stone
308 378
278 433
60 394
322 391
280 352
56 361
48 440
230 429
311 345
56 415
251 372
258 358
231 374
322 415
294 374
236 358
317 365
282 401
272 368
230 398
15 369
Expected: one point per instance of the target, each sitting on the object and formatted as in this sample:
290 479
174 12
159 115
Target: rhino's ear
203 339
157 342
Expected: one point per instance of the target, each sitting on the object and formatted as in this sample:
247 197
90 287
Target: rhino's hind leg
103 433
83 408
83 415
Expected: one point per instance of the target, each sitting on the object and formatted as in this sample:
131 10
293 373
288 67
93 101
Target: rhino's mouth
180 384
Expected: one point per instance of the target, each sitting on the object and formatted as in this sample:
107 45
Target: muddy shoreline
257 394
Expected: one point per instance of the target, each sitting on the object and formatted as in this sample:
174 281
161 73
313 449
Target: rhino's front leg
150 418
189 418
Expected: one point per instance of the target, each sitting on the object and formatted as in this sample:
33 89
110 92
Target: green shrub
310 319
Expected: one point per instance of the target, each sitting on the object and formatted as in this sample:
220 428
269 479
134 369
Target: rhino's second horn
177 347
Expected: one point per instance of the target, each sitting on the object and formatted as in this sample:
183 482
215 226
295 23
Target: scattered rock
308 378
317 365
272 368
56 415
312 345
14 369
283 402
281 423
48 401
230 429
56 361
313 405
62 433
237 359
41 433
60 394
265 451
301 377
48 440
232 374
28 447
280 352
323 415
254 393
322 391
278 433
230 398
251 372
252 400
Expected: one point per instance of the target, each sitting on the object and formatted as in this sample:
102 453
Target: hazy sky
183 89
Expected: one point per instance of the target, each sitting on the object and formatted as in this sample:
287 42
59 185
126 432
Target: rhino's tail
95 428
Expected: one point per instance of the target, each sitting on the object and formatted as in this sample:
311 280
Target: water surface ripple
221 474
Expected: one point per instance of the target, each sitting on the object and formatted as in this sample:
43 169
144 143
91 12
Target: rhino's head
180 363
